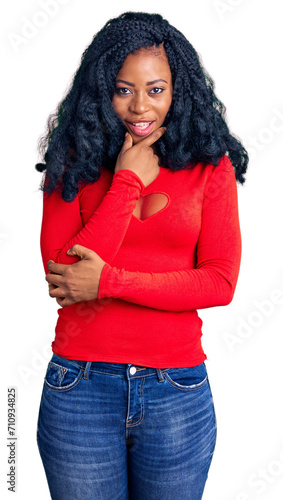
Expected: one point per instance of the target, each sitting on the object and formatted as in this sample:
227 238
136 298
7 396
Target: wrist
129 178
112 282
102 286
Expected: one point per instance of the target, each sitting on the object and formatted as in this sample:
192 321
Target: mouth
141 128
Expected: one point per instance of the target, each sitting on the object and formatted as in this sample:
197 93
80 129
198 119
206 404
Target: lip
141 131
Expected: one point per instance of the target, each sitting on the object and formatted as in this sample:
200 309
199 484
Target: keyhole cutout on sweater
150 204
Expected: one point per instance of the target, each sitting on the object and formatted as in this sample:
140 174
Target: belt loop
86 369
160 375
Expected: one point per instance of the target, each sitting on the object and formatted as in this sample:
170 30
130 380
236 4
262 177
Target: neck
156 151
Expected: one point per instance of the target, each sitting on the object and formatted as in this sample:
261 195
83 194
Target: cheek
169 100
118 106
165 107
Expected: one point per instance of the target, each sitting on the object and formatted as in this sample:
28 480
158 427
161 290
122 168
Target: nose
139 104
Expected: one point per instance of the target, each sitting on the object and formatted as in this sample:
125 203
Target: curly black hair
85 133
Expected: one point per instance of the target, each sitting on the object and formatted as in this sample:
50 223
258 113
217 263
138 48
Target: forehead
145 62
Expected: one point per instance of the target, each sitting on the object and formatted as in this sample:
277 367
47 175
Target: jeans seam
186 388
142 408
67 387
62 370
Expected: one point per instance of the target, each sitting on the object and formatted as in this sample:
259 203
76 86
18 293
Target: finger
152 138
60 301
128 143
56 268
63 302
80 251
54 279
50 262
57 293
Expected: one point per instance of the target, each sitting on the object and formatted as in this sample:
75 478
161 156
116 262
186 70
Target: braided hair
85 133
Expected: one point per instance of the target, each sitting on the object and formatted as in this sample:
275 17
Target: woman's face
144 92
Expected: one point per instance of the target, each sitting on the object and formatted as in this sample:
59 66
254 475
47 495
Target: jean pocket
187 379
62 378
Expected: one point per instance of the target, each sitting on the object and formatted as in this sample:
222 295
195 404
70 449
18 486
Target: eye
122 91
156 90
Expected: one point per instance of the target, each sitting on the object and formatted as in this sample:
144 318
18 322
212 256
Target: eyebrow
148 83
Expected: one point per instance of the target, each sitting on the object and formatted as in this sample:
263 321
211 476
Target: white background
241 47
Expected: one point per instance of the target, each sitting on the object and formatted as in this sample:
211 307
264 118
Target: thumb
79 250
128 143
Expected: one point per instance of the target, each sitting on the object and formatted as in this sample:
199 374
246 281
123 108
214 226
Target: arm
104 232
213 282
62 226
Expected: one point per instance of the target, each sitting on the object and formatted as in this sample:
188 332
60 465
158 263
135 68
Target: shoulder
221 178
224 165
101 185
211 180
204 173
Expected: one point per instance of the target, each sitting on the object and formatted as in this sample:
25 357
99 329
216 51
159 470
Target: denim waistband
118 369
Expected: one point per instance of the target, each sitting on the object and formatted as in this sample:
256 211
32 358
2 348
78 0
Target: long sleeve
62 224
218 254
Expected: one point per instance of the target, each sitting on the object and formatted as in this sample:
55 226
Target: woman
140 229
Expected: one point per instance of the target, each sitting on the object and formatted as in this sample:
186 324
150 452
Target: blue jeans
124 432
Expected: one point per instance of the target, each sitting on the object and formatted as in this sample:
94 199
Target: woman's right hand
140 158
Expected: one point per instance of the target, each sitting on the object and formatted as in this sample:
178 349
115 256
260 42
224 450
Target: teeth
142 124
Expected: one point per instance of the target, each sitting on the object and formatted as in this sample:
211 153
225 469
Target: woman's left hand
75 282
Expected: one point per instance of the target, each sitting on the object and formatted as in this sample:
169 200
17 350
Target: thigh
171 450
80 434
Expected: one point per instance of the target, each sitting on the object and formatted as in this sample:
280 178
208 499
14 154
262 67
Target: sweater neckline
161 172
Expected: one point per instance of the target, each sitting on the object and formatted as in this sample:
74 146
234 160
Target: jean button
133 370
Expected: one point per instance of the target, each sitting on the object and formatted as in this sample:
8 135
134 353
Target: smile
141 128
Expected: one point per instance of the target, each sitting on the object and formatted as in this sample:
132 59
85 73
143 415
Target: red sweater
158 271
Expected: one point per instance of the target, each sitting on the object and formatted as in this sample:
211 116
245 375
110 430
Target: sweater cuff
109 286
129 178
